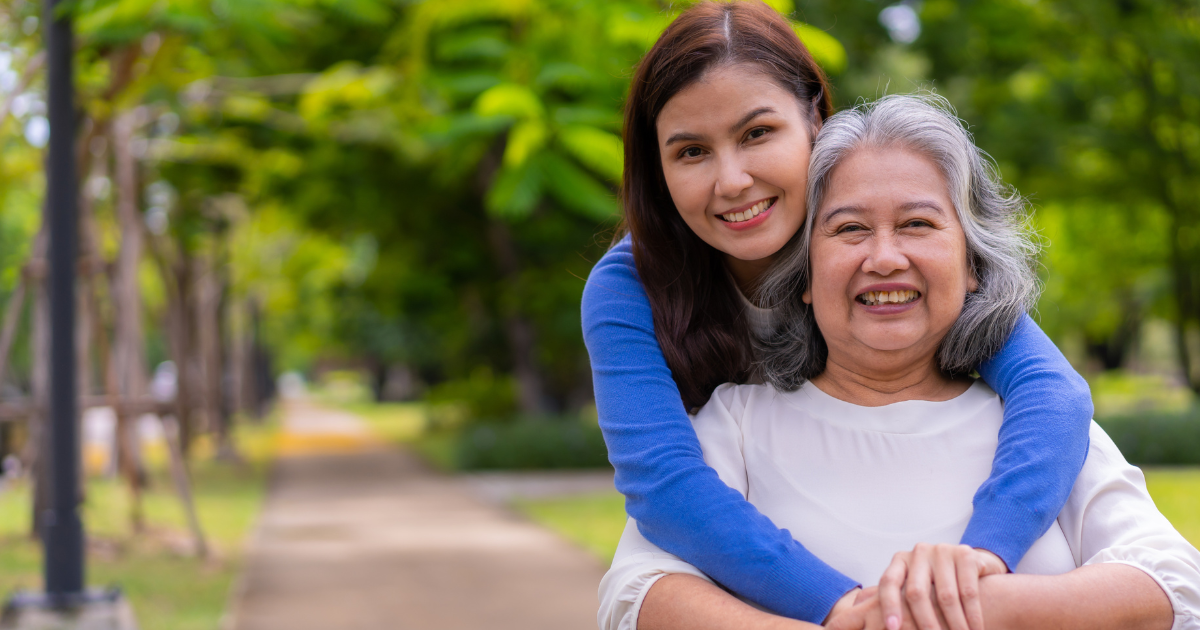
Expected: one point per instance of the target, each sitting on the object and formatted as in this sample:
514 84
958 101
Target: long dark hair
697 315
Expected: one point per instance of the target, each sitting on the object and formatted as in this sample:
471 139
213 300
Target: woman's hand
952 570
860 610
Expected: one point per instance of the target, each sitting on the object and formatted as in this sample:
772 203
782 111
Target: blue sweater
682 506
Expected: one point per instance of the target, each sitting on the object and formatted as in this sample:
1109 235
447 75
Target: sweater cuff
993 529
821 583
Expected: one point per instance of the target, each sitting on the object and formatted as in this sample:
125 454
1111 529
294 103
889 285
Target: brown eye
757 132
691 152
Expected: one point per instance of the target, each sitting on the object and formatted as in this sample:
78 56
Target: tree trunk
208 313
128 366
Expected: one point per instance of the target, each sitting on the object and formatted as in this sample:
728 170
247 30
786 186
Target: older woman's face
889 257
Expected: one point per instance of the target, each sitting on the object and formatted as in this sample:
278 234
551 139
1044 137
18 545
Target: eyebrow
904 207
836 211
684 136
751 116
922 203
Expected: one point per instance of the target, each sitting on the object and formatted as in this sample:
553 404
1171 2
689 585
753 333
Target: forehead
885 178
722 96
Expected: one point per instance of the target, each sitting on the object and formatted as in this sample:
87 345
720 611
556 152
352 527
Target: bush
464 401
532 443
1157 438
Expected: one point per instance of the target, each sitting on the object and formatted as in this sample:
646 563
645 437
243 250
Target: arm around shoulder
678 501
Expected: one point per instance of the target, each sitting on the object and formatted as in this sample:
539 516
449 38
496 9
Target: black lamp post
62 535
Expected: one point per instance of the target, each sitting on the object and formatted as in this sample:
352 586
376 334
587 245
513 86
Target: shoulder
615 269
732 401
613 283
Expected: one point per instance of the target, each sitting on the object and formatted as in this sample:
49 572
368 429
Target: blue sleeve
1043 442
678 501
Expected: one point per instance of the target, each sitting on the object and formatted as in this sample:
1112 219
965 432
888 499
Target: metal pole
62 537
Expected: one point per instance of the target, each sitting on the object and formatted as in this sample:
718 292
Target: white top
857 484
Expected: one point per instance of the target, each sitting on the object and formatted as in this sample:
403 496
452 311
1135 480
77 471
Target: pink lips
758 220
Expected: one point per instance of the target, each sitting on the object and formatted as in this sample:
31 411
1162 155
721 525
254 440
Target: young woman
719 124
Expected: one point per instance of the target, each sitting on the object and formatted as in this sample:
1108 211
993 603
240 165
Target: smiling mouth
746 215
879 298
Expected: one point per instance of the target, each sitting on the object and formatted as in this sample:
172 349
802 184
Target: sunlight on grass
1176 492
169 588
595 521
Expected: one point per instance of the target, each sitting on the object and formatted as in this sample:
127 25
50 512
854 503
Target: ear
972 283
807 296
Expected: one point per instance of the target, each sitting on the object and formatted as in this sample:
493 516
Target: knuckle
947 598
969 592
916 595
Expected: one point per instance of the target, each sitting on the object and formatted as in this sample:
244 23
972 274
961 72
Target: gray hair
994 218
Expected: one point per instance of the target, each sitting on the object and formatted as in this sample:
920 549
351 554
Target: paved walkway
356 535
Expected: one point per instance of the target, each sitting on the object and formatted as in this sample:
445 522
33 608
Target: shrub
532 443
1157 438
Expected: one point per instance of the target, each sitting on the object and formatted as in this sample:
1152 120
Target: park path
357 535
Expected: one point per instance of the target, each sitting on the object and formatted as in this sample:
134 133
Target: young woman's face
735 148
889 258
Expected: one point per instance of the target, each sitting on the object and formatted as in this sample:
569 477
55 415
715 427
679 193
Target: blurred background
387 210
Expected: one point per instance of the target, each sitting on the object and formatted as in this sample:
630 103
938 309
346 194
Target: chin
885 341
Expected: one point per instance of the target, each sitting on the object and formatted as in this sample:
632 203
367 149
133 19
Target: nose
732 178
885 257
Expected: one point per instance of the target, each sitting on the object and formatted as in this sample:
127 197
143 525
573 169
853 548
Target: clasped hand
932 587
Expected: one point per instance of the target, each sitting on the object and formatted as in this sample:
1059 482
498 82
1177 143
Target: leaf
825 48
456 128
471 47
566 76
515 191
469 84
784 7
641 30
601 151
509 99
592 116
575 189
525 139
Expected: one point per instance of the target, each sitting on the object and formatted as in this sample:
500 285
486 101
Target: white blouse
857 484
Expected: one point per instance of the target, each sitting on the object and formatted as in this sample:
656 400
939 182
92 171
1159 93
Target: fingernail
893 622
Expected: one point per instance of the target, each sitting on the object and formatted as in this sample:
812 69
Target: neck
871 386
747 274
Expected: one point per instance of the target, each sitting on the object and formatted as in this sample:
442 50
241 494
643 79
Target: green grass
398 423
595 521
169 588
1176 492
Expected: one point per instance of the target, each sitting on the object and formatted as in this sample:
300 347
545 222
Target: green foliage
532 443
1157 438
481 397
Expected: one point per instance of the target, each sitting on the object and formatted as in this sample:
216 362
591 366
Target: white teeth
875 298
746 215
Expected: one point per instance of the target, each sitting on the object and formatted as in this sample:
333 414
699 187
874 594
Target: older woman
871 438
